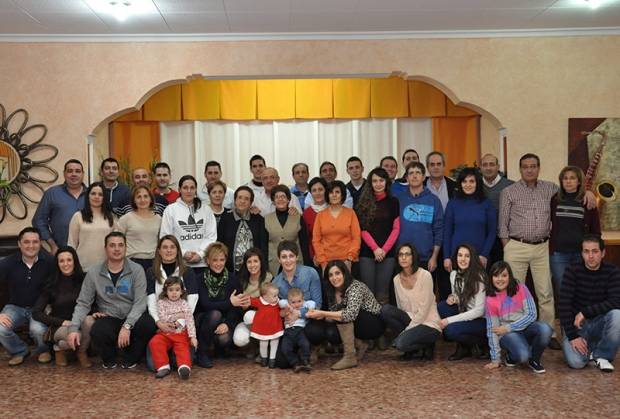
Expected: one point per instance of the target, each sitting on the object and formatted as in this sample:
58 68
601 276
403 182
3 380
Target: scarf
215 283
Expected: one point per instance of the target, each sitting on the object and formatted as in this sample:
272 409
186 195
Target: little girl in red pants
173 309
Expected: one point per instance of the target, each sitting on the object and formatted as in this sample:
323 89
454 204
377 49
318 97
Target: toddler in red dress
173 309
267 325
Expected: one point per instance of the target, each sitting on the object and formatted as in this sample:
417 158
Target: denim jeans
468 332
9 339
527 344
602 334
416 338
378 276
559 261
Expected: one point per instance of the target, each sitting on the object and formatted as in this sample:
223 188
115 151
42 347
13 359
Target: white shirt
266 206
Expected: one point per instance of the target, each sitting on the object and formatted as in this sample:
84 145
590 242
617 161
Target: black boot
462 351
481 351
428 352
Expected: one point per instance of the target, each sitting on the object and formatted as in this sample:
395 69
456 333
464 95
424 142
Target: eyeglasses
404 254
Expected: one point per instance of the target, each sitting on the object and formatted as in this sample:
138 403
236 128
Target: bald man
262 199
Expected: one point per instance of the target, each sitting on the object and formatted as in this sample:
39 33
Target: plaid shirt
525 212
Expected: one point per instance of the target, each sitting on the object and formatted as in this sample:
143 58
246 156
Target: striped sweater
516 312
592 293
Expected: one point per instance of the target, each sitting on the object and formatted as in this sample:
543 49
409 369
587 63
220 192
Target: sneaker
18 359
509 362
604 365
536 366
44 358
184 372
128 366
162 373
109 365
297 368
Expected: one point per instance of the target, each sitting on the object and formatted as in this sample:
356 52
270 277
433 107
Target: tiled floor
383 386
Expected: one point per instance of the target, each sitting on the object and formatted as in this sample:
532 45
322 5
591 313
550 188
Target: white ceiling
230 17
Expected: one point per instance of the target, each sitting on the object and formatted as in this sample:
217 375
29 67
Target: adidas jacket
195 230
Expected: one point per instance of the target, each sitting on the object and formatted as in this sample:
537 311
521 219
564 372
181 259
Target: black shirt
25 284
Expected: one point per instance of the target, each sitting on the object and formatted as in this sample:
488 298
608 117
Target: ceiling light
121 9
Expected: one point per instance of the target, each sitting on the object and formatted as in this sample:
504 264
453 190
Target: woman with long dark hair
192 223
469 218
462 312
252 275
89 226
353 315
60 295
317 187
378 214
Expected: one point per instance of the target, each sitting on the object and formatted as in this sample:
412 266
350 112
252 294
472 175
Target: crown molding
308 36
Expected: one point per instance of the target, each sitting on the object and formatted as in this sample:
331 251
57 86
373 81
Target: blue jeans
9 339
602 334
559 261
527 344
469 332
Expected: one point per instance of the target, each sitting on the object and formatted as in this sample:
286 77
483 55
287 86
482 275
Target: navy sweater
469 221
25 284
592 293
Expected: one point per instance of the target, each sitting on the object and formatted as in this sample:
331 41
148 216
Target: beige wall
530 85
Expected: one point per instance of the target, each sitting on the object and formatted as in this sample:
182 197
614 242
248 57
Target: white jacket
195 231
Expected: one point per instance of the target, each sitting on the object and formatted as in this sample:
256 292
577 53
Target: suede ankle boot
61 358
349 359
82 356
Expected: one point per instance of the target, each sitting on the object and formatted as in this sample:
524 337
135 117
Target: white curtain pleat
187 146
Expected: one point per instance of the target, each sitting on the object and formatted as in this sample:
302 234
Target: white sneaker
604 365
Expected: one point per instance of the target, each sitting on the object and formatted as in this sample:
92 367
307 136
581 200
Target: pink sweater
177 311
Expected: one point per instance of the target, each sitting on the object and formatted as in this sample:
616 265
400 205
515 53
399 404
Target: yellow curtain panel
425 101
389 98
351 98
275 99
201 100
453 110
238 99
314 98
458 139
164 105
136 143
130 117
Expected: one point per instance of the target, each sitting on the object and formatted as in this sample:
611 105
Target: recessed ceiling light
121 9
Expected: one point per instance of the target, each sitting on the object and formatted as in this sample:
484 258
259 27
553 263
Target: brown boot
348 360
361 347
83 358
61 358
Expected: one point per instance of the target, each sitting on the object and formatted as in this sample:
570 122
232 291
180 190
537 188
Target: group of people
178 277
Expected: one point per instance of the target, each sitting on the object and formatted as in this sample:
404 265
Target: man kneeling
118 288
590 308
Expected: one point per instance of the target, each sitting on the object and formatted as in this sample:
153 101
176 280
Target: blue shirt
306 279
421 222
55 211
300 195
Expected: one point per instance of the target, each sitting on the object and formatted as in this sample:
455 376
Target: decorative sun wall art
23 163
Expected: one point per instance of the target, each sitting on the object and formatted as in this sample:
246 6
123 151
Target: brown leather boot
61 358
348 360
83 358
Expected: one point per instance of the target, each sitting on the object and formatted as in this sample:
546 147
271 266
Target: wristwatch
127 326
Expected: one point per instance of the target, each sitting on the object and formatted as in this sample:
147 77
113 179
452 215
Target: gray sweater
493 192
126 300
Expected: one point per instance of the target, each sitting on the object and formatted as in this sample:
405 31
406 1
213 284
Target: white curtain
187 146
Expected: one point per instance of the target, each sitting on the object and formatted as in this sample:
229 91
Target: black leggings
207 323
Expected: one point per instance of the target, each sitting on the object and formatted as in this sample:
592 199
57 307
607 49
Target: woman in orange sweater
336 234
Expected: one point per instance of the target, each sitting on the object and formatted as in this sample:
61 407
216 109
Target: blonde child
172 307
267 324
